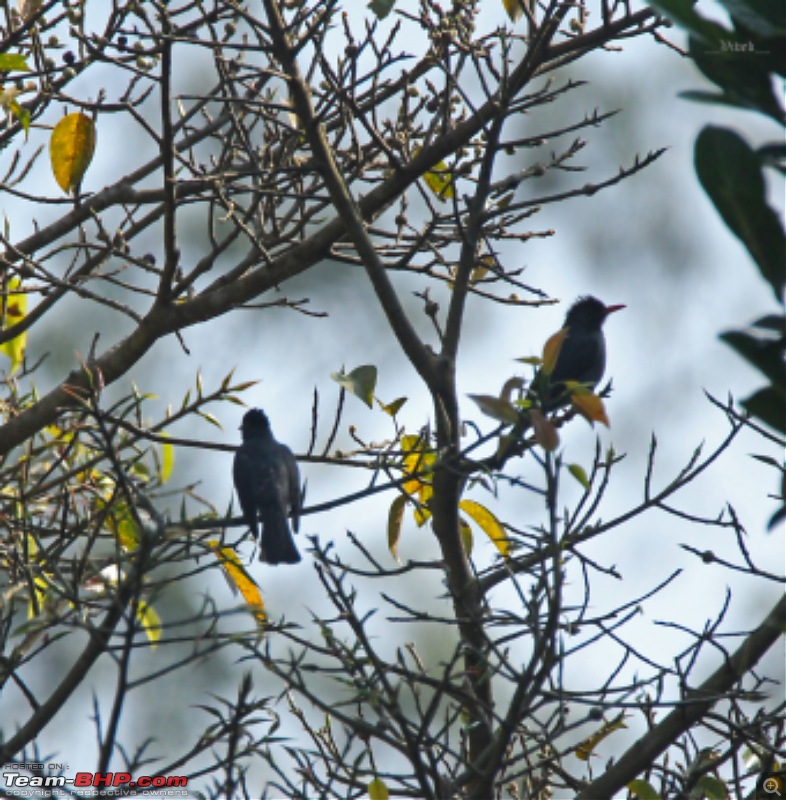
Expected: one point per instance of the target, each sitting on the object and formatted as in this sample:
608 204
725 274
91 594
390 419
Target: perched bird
582 357
267 481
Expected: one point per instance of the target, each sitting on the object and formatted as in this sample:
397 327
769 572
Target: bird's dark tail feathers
277 545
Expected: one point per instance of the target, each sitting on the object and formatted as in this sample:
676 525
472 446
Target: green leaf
711 788
394 407
381 8
361 382
210 418
681 12
763 352
769 405
578 472
642 790
741 68
167 460
496 407
732 176
13 62
395 517
377 790
762 17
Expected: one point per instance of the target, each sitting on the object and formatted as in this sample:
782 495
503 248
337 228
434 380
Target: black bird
582 357
267 481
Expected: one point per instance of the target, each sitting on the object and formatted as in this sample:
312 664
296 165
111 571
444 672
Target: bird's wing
293 481
582 358
244 474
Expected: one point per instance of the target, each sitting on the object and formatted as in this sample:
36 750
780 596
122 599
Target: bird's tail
277 545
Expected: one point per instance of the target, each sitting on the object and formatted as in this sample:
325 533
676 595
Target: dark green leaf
732 176
772 322
741 68
381 8
681 12
773 155
763 352
769 460
777 517
768 405
762 17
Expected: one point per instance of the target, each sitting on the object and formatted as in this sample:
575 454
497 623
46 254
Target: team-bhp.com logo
97 780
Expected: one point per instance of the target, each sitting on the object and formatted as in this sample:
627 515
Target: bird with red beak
582 355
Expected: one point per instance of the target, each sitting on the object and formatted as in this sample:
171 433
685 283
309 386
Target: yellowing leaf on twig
584 750
150 621
589 405
167 460
14 308
488 523
393 407
514 9
239 578
439 179
377 790
71 150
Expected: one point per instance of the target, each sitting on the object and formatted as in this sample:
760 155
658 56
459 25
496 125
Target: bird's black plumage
267 481
582 357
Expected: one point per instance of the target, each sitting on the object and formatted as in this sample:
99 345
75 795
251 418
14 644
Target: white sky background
655 243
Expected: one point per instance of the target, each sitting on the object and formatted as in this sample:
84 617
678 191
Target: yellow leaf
439 179
15 308
38 596
150 621
591 407
167 460
514 9
71 149
395 518
377 790
488 523
237 575
422 512
416 462
552 349
584 750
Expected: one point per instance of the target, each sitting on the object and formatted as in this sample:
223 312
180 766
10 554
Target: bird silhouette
267 481
582 356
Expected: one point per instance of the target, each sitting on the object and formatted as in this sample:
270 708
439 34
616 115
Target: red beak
612 309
